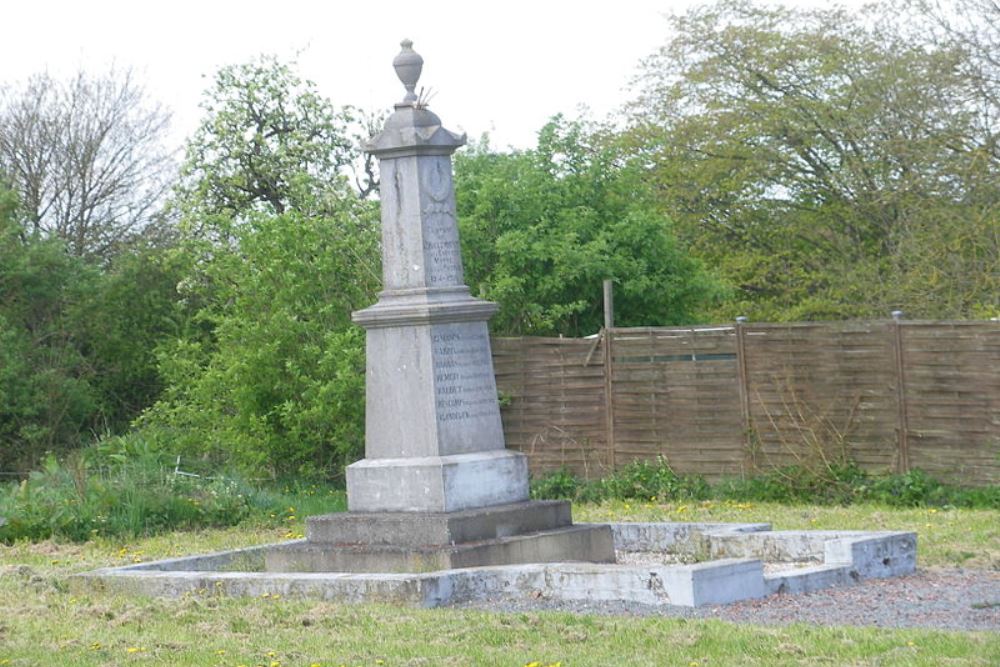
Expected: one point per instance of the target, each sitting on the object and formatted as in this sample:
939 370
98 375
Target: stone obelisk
433 436
437 489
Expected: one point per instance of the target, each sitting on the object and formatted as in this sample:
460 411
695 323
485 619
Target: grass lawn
45 621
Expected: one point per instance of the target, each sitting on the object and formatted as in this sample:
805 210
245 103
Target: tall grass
124 488
836 484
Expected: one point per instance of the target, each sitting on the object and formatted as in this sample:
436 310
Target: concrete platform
524 532
413 529
814 560
585 543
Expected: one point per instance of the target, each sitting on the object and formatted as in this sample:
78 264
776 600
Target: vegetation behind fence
890 396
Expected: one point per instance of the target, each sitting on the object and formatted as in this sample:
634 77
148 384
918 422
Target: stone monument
437 487
437 494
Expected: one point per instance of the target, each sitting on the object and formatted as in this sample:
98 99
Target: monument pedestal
437 487
437 483
528 532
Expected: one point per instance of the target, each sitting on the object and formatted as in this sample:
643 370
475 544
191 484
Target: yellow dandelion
135 649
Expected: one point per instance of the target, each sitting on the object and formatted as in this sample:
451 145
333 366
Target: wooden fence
732 400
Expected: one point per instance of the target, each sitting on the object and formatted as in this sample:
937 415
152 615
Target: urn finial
408 65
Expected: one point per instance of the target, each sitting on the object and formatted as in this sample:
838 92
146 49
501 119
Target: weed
833 484
129 491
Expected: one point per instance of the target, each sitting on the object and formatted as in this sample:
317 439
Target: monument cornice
412 314
410 140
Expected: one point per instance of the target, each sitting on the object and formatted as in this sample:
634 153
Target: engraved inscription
463 382
442 251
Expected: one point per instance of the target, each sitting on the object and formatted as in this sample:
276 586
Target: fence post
609 403
902 434
750 458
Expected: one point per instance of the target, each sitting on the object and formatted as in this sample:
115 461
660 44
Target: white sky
502 67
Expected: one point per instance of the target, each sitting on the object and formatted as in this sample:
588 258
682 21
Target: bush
273 382
125 488
838 484
76 341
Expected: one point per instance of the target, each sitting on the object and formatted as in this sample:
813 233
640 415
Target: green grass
94 495
46 620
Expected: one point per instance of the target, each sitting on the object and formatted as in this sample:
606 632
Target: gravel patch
945 599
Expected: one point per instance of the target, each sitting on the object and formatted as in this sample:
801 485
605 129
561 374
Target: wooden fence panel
674 394
552 393
822 390
727 400
952 388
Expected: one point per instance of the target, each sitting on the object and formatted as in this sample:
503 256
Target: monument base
437 483
526 532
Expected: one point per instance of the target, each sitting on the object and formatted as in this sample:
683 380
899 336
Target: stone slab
855 556
422 529
591 543
690 539
808 579
437 483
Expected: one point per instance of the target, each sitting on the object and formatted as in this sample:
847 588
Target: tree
541 229
822 162
971 26
77 341
269 143
268 375
272 380
86 157
45 396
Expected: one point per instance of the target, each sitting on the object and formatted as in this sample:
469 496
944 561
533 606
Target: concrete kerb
816 559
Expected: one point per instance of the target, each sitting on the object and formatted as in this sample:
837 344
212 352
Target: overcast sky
497 67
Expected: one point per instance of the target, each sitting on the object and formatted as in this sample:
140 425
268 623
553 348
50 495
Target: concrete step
586 543
425 529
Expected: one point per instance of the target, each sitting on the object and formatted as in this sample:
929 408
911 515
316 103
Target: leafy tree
86 157
268 374
76 340
969 26
269 143
45 397
277 387
541 229
827 165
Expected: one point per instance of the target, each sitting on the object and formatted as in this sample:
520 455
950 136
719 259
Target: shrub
125 488
836 484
